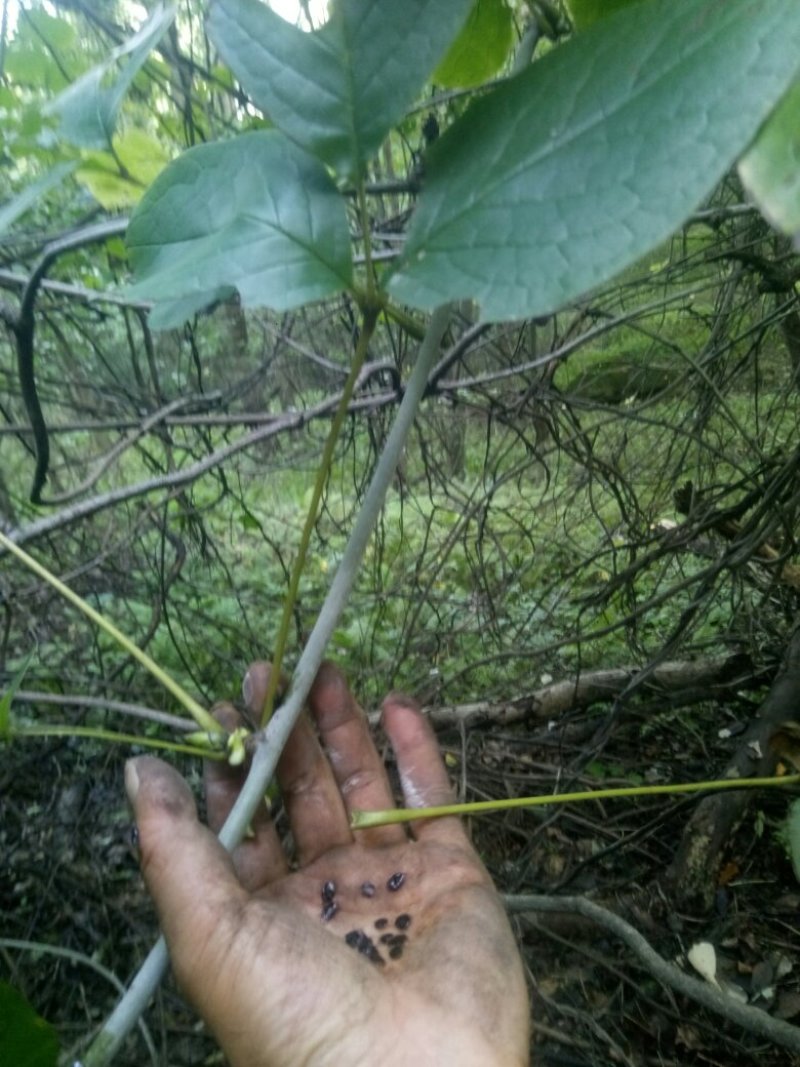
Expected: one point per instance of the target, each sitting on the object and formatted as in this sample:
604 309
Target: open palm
377 948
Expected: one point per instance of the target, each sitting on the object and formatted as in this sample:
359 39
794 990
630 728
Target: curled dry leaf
703 958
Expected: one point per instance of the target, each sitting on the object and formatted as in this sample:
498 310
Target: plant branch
323 471
362 820
198 713
269 742
65 730
138 711
41 947
751 1019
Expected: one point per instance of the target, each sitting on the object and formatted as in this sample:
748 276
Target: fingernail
247 688
402 700
131 780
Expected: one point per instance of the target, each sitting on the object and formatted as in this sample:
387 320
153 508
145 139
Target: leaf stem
197 711
64 730
369 319
361 820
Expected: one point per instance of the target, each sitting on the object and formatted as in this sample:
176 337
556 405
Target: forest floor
69 878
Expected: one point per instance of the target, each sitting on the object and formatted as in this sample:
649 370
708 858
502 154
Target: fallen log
714 679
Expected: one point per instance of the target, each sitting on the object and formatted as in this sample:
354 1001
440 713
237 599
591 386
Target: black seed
366 945
353 937
367 889
395 881
381 924
393 939
134 835
374 956
329 909
329 891
396 951
402 922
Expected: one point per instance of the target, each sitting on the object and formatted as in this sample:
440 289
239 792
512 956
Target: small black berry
395 881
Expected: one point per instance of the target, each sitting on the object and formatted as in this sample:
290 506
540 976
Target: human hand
378 947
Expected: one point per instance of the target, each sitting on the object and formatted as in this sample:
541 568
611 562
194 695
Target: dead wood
715 678
754 1020
693 876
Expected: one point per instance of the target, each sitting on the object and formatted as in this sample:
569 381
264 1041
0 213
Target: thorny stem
370 317
361 820
197 711
271 740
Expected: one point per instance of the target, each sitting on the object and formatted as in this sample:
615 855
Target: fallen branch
754 1020
716 677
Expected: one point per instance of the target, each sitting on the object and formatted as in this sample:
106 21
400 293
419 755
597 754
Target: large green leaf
26 1040
339 90
88 108
577 167
770 170
585 12
256 213
481 48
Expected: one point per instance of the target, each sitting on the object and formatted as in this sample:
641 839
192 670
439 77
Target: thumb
187 871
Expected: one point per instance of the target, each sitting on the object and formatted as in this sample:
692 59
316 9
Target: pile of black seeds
360 939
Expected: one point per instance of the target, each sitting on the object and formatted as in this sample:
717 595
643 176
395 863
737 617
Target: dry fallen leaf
703 957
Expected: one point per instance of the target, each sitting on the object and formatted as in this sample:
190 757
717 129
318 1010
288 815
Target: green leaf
88 108
480 49
26 1040
770 170
256 213
571 171
585 12
15 208
169 315
143 158
29 59
337 91
793 836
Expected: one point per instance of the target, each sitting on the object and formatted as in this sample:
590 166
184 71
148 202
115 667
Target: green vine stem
362 820
197 711
113 737
271 740
369 319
